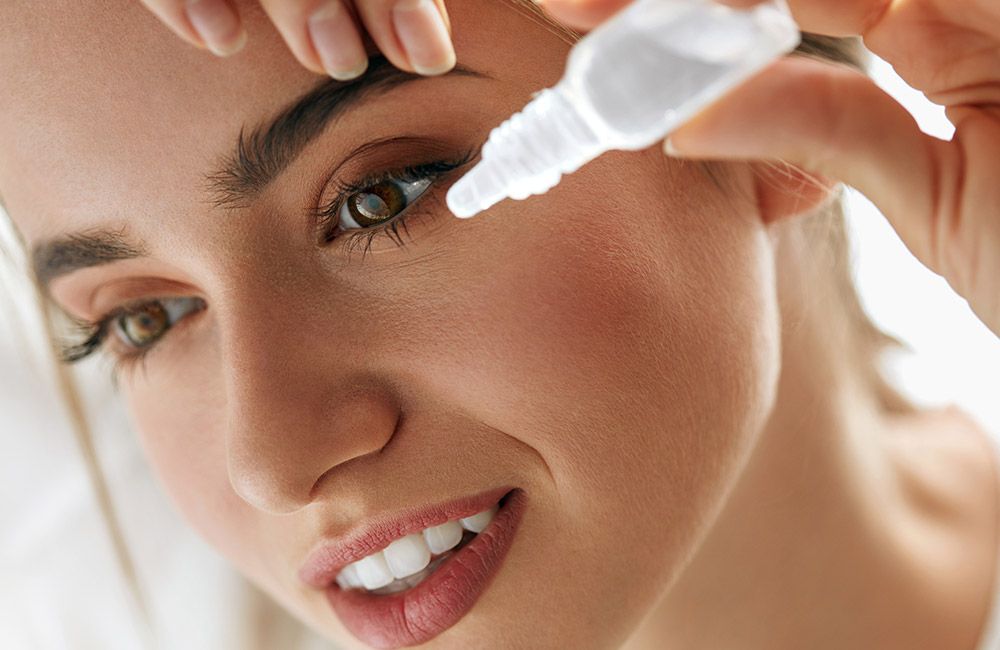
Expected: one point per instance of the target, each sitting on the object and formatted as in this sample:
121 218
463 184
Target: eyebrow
265 152
258 158
57 257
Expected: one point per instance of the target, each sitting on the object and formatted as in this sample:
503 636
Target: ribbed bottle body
627 84
663 60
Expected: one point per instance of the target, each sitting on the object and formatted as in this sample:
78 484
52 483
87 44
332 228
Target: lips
323 564
424 611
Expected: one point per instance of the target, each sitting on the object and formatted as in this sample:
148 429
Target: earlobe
784 190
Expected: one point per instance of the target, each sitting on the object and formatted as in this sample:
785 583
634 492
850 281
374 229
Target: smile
408 560
424 574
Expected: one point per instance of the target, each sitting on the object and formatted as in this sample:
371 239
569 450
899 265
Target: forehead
104 112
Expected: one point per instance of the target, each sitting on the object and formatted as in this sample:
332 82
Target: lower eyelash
390 229
362 238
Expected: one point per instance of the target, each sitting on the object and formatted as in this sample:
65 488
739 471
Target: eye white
411 190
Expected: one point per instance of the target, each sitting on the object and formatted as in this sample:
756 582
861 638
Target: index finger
214 24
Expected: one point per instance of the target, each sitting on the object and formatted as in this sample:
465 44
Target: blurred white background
59 586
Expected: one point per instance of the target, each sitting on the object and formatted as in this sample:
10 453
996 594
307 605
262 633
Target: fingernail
337 42
218 25
669 148
424 36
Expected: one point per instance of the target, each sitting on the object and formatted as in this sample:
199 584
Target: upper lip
331 555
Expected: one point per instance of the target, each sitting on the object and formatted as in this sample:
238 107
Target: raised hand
943 198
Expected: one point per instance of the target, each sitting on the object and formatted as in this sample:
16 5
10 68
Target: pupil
373 207
380 203
143 326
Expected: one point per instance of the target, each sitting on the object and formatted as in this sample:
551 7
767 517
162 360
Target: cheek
178 424
614 331
628 338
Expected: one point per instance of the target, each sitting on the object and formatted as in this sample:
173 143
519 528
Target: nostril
318 486
293 425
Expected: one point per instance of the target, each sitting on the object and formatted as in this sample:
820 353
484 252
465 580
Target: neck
833 537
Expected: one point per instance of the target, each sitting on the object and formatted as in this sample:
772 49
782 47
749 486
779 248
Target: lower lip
419 614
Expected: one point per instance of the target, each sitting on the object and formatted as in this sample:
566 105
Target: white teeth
479 521
348 578
373 571
444 537
351 577
406 560
407 555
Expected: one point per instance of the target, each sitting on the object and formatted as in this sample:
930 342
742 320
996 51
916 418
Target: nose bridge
299 402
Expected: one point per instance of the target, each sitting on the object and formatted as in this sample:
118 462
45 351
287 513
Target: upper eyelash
97 332
328 214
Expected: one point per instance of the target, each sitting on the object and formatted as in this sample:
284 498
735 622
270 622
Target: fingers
834 121
326 36
414 34
840 18
212 24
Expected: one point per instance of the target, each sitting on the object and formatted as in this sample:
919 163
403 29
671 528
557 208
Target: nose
300 399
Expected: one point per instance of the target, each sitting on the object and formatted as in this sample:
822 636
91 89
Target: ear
784 190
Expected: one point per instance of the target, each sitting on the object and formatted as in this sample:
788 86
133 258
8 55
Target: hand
325 35
942 198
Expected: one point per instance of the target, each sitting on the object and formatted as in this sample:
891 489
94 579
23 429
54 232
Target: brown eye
142 326
379 203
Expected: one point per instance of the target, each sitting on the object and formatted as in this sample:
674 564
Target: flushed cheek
632 360
638 376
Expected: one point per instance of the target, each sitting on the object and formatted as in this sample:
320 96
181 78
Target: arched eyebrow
266 151
257 159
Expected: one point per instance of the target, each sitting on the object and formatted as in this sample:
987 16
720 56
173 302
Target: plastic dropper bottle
627 84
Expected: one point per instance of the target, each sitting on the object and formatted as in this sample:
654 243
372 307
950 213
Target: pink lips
324 563
420 613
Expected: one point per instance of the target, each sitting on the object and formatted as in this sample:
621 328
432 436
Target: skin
620 348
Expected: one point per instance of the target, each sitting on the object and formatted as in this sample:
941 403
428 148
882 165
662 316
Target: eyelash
325 218
97 334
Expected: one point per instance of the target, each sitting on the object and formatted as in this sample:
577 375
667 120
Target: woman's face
609 349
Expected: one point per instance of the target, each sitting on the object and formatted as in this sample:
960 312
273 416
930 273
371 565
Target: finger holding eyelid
415 35
211 24
295 20
337 40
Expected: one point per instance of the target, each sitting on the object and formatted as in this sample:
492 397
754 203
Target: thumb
832 120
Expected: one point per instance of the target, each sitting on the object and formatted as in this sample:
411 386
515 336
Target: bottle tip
477 190
461 198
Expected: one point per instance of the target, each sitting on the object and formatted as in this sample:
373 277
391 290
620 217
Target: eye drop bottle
627 84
